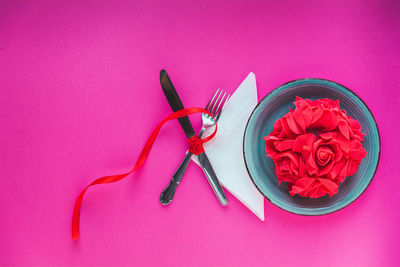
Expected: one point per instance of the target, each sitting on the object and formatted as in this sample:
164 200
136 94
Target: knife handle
168 194
212 178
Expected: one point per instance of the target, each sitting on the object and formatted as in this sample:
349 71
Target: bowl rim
311 79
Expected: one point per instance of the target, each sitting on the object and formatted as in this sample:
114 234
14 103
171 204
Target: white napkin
225 150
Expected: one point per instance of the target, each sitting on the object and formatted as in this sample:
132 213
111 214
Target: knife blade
176 104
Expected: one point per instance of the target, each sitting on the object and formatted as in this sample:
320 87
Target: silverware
214 106
176 104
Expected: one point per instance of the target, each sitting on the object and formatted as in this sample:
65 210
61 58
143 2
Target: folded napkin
225 150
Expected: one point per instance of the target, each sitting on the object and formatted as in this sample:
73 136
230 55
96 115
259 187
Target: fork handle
168 194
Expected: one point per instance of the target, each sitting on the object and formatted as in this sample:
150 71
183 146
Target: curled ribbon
195 146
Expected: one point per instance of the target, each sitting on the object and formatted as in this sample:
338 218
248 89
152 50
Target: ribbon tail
76 215
140 161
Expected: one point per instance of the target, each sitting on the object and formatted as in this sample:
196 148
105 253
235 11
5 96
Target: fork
214 106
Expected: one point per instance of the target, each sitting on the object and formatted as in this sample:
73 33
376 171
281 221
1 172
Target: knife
176 104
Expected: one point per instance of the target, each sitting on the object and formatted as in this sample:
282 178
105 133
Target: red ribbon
195 146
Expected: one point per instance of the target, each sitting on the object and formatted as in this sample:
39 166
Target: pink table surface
80 94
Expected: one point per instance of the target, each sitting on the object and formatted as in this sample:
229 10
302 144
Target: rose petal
298 99
328 135
301 186
355 129
353 167
330 187
317 190
343 172
357 154
357 150
317 114
299 118
344 128
295 165
286 130
336 169
344 144
269 145
312 167
355 125
315 103
326 169
302 169
330 104
328 121
303 142
277 128
302 114
284 145
292 124
337 151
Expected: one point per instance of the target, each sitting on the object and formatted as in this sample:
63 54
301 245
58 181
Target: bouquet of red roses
314 147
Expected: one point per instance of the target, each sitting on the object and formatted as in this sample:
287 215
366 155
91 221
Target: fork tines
217 102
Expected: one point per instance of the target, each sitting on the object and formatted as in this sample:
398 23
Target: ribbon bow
195 145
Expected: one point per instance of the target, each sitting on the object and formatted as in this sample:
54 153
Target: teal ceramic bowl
261 168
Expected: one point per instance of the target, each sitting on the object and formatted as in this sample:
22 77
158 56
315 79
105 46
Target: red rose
287 167
314 147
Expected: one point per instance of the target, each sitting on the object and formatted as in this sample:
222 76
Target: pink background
80 94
